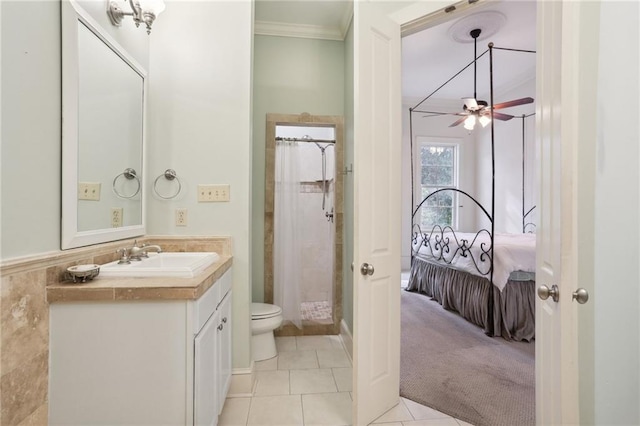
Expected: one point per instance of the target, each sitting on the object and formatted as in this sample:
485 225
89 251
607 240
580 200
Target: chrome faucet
137 253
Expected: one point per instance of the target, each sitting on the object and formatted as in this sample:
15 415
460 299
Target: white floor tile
388 424
235 412
399 413
432 422
297 360
420 412
343 378
284 410
274 382
327 409
333 358
461 423
307 343
286 344
312 381
267 364
336 342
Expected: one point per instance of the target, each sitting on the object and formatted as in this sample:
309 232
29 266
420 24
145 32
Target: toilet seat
264 310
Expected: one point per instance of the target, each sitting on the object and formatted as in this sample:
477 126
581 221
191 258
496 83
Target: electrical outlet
213 193
181 217
89 191
116 217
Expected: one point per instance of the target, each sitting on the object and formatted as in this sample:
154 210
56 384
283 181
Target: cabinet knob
224 320
220 327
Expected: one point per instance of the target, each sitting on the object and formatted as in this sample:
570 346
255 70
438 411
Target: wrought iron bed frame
440 241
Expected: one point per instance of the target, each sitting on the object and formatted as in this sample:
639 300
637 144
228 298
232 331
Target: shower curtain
287 272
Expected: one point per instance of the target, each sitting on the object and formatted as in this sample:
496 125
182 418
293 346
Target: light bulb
470 122
484 120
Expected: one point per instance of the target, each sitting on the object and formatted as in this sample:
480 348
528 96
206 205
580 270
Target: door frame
305 120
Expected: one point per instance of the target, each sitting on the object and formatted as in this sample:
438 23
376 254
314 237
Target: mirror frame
71 237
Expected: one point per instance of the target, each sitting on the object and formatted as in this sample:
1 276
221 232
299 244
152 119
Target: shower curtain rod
305 140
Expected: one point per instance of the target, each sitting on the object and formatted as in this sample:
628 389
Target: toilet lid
264 310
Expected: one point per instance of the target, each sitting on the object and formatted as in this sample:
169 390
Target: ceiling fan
475 110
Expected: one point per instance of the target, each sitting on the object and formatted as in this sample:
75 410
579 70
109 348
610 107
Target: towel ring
128 174
168 174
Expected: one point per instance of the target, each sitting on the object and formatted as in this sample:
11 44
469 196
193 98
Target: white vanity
129 351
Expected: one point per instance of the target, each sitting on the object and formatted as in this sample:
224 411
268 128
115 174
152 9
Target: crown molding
282 29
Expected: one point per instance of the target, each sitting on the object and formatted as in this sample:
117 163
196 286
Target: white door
377 143
556 397
588 356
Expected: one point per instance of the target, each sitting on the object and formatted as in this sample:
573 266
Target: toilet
264 319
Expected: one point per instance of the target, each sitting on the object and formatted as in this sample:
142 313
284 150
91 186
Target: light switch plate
89 191
213 193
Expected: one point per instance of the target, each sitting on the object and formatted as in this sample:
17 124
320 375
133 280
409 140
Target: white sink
179 265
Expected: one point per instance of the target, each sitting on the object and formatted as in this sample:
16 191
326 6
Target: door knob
581 296
544 292
366 269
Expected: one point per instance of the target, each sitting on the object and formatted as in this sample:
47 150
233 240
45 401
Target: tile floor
309 383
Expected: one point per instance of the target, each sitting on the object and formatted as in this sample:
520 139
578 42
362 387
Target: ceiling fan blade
458 121
515 102
470 103
501 116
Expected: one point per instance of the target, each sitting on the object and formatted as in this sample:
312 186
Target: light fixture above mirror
141 10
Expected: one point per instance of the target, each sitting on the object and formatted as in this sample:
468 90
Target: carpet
450 365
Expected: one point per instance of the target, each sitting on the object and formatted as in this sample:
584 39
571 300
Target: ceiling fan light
484 120
470 122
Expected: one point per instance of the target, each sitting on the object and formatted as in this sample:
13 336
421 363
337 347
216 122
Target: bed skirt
510 313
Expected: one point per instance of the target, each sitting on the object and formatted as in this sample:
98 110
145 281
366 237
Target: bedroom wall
291 76
436 127
508 161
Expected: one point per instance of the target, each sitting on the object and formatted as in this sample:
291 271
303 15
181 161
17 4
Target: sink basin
179 265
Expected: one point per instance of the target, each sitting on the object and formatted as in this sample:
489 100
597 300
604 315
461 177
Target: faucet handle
124 259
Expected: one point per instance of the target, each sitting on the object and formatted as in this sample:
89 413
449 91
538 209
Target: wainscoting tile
24 318
39 417
24 389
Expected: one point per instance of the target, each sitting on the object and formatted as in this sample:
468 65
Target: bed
487 277
488 281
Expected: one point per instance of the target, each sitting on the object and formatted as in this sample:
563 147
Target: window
438 169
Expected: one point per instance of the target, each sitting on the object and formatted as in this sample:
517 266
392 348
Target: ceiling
432 56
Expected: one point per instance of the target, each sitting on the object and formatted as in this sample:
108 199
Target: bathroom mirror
103 113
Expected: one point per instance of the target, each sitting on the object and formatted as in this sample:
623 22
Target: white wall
200 125
291 76
508 163
31 120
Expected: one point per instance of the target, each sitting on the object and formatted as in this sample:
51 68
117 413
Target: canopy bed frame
487 278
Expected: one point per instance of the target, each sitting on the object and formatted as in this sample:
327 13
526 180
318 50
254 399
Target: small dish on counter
83 273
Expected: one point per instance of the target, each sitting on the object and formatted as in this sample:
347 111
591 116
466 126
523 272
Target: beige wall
291 76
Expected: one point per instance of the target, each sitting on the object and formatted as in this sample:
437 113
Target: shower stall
303 251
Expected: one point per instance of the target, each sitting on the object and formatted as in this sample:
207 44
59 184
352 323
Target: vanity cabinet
141 362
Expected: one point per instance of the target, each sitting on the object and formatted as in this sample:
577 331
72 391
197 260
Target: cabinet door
224 349
205 399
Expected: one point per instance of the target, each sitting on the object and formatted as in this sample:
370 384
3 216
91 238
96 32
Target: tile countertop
151 288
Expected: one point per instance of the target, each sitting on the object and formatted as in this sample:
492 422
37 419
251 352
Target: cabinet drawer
224 283
206 305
